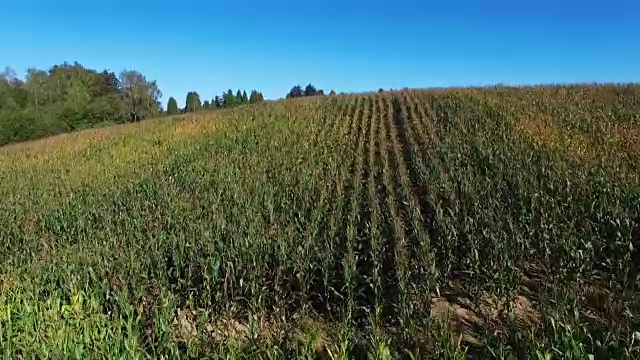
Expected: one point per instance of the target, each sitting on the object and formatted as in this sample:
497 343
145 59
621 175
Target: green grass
497 222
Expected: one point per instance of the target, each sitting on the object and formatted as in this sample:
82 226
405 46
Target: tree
172 106
255 97
239 100
218 102
229 99
140 96
310 90
332 93
108 83
295 92
9 76
206 105
193 102
36 84
320 92
245 99
69 96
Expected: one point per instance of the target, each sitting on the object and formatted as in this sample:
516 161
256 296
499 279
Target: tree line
70 97
309 90
226 100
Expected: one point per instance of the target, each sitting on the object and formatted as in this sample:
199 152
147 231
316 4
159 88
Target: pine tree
255 97
188 101
172 106
310 90
238 97
245 99
206 105
295 92
229 99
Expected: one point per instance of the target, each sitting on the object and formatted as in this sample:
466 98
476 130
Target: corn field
448 224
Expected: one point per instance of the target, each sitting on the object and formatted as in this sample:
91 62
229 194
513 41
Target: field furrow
414 202
349 236
325 268
375 233
397 257
338 213
363 292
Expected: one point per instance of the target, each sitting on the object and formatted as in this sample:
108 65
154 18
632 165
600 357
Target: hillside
431 223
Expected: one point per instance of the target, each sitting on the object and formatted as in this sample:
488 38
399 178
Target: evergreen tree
206 105
310 90
188 101
245 99
255 97
193 102
218 102
172 106
229 99
238 97
295 92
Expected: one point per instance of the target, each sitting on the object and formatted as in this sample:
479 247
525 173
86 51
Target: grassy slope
347 225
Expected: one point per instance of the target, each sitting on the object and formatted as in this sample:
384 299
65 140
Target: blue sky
210 46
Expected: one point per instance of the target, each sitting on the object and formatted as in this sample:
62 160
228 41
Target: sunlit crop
424 224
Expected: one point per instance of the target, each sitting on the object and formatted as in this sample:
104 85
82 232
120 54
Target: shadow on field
426 209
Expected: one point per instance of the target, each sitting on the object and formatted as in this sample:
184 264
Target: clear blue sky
210 46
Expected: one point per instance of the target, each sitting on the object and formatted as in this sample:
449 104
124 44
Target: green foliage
309 90
485 223
295 92
68 97
192 102
255 97
172 106
140 95
229 99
